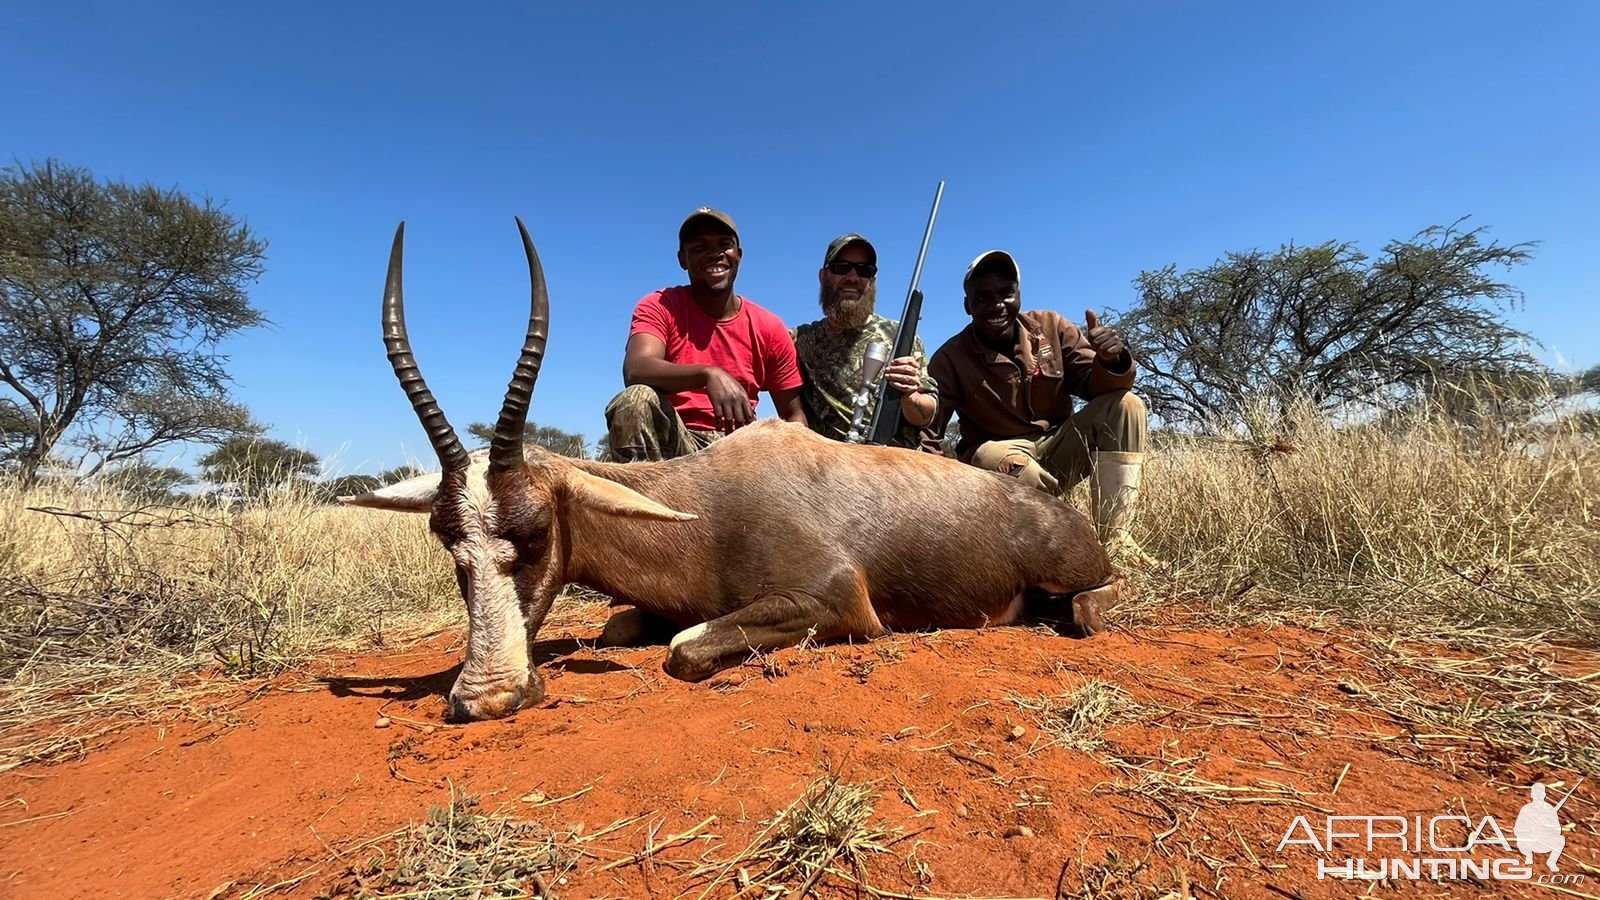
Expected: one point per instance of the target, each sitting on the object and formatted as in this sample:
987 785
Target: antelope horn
443 438
505 451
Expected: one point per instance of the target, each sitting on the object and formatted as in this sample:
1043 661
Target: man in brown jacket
1011 377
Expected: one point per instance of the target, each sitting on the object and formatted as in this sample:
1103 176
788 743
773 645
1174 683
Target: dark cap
706 212
999 256
845 240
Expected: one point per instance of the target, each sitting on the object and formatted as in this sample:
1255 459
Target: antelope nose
513 702
497 705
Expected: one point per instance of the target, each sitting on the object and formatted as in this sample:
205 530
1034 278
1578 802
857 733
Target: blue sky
1091 141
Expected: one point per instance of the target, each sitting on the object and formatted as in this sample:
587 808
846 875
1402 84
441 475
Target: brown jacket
998 399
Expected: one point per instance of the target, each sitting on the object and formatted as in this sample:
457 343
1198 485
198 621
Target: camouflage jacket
831 364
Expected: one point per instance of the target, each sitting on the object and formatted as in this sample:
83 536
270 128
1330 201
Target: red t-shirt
753 346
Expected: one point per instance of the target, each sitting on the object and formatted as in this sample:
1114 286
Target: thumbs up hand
1106 342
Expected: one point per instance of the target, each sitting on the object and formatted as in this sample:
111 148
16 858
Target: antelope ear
606 496
415 495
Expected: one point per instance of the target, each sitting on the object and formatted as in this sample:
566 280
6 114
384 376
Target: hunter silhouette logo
1538 827
1440 847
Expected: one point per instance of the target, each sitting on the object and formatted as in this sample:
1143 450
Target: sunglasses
843 267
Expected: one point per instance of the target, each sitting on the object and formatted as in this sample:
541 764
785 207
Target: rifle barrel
885 422
1569 794
927 236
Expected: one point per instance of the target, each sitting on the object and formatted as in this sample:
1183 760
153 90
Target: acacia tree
148 482
398 473
347 486
1328 324
113 301
549 437
254 466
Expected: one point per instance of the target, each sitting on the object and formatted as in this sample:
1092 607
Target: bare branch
1326 322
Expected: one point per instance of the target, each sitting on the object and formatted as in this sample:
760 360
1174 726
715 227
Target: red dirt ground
297 772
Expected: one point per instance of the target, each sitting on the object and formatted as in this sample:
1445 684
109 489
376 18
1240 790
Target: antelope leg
633 627
772 621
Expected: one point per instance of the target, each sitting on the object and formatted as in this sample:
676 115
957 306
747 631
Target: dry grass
251 587
1512 705
461 851
828 825
105 606
1418 525
1076 717
1408 539
1118 877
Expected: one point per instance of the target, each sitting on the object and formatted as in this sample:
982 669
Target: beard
848 315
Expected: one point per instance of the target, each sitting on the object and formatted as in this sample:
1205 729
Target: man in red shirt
699 354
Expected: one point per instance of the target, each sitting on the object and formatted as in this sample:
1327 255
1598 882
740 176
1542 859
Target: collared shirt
831 363
1026 394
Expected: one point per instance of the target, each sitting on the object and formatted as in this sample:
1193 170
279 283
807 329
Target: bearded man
831 350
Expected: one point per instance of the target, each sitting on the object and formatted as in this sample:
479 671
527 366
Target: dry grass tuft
828 823
460 851
826 826
1076 718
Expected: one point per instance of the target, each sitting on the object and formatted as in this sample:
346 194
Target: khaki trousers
1116 422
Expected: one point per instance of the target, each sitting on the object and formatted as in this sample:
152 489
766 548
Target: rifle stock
886 418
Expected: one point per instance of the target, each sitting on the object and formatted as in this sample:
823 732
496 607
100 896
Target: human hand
1106 342
903 374
729 402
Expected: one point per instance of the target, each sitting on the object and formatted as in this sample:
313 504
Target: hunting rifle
886 419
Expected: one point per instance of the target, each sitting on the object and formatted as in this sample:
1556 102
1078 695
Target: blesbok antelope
770 536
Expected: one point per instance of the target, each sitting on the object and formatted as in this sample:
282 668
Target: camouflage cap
706 212
998 255
845 240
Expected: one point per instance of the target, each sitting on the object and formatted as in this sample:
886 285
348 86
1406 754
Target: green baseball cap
706 212
845 240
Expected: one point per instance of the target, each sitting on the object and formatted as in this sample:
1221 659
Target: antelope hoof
690 659
686 665
495 702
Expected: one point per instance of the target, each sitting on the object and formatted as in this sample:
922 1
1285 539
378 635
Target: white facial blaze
497 648
497 645
478 487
